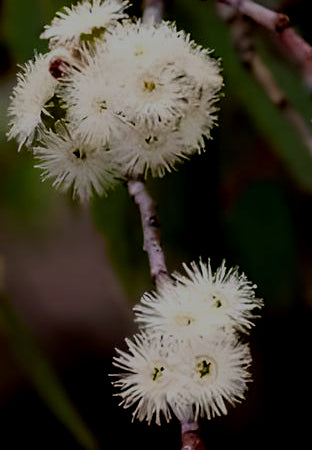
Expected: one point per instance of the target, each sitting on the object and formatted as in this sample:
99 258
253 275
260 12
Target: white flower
215 373
196 305
156 95
229 296
191 380
170 312
136 44
169 79
205 73
143 151
73 163
35 86
91 98
85 18
149 378
198 122
198 63
140 45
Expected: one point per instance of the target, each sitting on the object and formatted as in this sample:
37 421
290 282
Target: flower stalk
190 437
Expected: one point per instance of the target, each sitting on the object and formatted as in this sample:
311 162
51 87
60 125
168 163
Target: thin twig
279 23
269 19
151 230
153 11
243 40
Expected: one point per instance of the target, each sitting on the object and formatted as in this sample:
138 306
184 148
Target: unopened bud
59 68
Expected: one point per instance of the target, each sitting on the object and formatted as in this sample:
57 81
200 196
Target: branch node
282 22
154 221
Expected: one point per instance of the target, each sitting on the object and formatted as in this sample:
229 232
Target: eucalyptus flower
162 376
73 163
87 19
35 86
146 93
216 374
198 303
91 98
149 379
144 151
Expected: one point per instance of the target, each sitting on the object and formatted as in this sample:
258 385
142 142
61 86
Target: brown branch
271 20
151 230
279 23
242 36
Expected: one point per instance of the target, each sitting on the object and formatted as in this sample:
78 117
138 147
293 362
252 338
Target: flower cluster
113 98
188 359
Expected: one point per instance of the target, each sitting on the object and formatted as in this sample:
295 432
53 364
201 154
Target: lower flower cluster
188 360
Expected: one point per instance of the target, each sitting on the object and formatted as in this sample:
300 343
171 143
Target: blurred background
69 275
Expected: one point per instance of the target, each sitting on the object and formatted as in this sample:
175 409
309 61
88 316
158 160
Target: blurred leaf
117 217
5 92
259 230
183 229
23 196
23 22
25 199
42 375
289 79
210 31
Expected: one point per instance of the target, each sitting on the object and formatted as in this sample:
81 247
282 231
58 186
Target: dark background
69 275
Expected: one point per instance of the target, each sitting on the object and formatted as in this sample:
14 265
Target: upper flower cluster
136 97
188 358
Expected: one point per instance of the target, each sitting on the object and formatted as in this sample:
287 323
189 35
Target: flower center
205 368
79 154
157 373
149 86
138 50
102 104
184 320
218 300
151 139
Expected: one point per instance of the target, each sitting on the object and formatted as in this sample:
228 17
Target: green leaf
23 22
41 374
260 234
22 25
118 218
